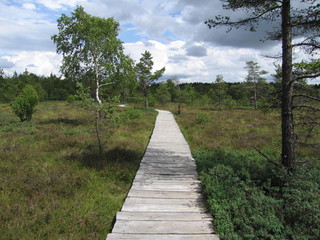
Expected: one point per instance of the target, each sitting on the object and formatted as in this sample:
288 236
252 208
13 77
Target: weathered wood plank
163 227
190 202
153 176
164 194
117 236
163 216
162 208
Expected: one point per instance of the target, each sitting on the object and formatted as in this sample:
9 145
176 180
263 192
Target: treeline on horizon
221 94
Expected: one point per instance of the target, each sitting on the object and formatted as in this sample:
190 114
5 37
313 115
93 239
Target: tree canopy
91 50
144 73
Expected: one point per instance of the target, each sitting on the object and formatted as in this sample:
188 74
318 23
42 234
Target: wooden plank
162 208
166 187
163 227
153 176
146 180
159 171
190 202
117 236
169 164
163 216
164 194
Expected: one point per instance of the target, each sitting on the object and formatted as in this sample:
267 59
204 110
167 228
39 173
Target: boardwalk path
165 200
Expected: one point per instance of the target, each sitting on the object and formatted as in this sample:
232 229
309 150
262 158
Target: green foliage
23 106
47 88
202 118
301 209
189 95
92 52
264 105
230 103
129 114
145 75
71 99
162 94
251 199
173 89
151 100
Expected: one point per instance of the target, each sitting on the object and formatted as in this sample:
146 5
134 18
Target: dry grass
237 129
52 183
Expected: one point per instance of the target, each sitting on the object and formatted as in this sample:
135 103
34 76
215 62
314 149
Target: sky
173 31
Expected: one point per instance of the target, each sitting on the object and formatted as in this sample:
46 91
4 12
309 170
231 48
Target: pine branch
308 161
105 84
306 96
308 144
266 157
303 76
306 106
225 21
307 123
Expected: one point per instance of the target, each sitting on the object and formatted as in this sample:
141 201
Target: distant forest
219 93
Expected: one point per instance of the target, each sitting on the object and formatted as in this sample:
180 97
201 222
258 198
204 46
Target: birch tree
92 53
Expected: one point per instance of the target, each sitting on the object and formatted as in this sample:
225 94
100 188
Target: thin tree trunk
98 132
179 100
146 104
255 96
97 91
288 135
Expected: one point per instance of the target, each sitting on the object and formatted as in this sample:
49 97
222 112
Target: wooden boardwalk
165 201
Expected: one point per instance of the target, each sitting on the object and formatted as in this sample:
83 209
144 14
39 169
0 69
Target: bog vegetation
53 183
65 172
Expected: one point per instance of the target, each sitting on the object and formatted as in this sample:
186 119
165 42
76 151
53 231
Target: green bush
152 101
252 199
23 106
71 99
230 103
301 203
264 105
129 114
241 209
202 118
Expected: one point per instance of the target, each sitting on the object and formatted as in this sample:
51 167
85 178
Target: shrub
230 103
129 114
301 204
264 105
241 209
202 118
252 199
71 98
23 105
152 101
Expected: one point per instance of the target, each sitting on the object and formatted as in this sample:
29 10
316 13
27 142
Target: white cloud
229 62
38 62
60 4
29 6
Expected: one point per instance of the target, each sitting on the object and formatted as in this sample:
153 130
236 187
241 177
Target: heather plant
251 198
53 183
